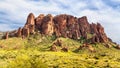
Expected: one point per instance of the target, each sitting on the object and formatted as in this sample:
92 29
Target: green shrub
25 61
33 52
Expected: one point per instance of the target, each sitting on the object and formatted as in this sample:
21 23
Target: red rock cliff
65 26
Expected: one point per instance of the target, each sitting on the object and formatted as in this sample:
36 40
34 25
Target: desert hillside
61 41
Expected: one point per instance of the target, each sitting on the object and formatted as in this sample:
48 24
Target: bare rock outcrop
65 49
84 26
30 24
63 26
53 48
47 25
58 42
25 31
118 46
19 32
88 46
29 27
99 34
6 35
38 21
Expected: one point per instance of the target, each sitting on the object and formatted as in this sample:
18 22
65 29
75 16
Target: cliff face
65 26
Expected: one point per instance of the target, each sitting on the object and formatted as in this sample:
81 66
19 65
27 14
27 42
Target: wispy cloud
13 13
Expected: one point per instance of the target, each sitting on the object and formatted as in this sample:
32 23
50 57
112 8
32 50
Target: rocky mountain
61 41
62 25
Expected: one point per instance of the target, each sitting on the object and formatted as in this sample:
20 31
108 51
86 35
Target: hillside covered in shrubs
61 41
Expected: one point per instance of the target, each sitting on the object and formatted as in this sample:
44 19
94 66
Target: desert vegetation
34 52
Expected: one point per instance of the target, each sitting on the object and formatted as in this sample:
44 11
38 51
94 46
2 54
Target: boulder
87 46
91 49
53 48
83 46
65 49
108 45
58 42
118 46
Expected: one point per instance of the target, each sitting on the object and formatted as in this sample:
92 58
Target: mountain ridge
62 25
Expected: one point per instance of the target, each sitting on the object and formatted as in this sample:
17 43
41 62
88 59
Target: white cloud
16 12
5 27
116 0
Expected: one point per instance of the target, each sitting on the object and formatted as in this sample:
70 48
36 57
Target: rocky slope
62 25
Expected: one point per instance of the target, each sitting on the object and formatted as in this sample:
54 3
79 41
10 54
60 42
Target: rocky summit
63 25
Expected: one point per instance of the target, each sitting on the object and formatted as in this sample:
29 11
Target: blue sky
13 13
